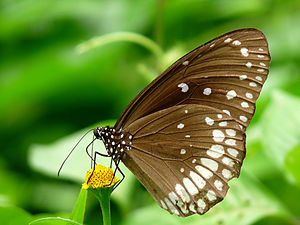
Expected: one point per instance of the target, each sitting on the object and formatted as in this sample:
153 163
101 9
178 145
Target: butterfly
183 136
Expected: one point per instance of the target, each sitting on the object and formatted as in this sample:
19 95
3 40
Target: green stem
121 36
103 196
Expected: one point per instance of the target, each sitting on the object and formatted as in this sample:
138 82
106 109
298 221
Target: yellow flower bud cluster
101 177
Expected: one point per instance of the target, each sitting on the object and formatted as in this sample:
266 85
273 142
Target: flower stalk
100 181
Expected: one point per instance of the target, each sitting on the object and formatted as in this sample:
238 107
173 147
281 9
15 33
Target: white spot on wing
201 204
249 64
184 87
252 84
163 204
236 42
207 91
182 151
260 56
228 161
185 63
211 164
215 151
180 126
249 95
228 40
182 207
233 152
190 186
243 77
226 173
262 64
231 142
209 121
244 52
243 118
218 184
199 181
245 104
230 132
171 206
192 207
211 195
204 172
223 124
260 70
173 197
231 94
227 112
218 135
182 193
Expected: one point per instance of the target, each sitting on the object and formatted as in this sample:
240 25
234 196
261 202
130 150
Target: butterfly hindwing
185 155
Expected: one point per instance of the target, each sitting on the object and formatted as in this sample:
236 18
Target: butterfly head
98 132
116 143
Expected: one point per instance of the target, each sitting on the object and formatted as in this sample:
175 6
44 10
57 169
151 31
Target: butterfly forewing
185 131
226 73
189 152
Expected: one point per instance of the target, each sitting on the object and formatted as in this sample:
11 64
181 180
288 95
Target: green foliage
50 95
13 216
78 212
292 163
280 126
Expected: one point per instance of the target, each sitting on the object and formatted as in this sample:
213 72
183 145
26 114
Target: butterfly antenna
72 151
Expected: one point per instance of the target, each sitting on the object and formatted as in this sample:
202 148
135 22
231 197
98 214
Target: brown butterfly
183 135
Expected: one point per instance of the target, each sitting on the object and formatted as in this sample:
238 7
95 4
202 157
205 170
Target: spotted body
183 136
115 142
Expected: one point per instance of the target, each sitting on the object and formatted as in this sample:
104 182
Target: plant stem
103 196
121 36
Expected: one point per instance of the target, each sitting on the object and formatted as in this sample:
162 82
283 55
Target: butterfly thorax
115 142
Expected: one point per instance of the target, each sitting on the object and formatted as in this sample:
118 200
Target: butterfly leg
87 150
123 177
92 151
117 165
118 169
94 160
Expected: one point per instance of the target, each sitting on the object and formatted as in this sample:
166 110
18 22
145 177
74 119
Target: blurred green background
50 94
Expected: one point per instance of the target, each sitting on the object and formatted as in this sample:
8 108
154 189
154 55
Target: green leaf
54 221
80 206
292 163
280 126
14 216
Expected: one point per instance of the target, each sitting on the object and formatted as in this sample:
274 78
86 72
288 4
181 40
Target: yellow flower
101 177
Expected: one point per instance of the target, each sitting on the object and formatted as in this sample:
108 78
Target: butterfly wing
187 126
185 155
226 73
